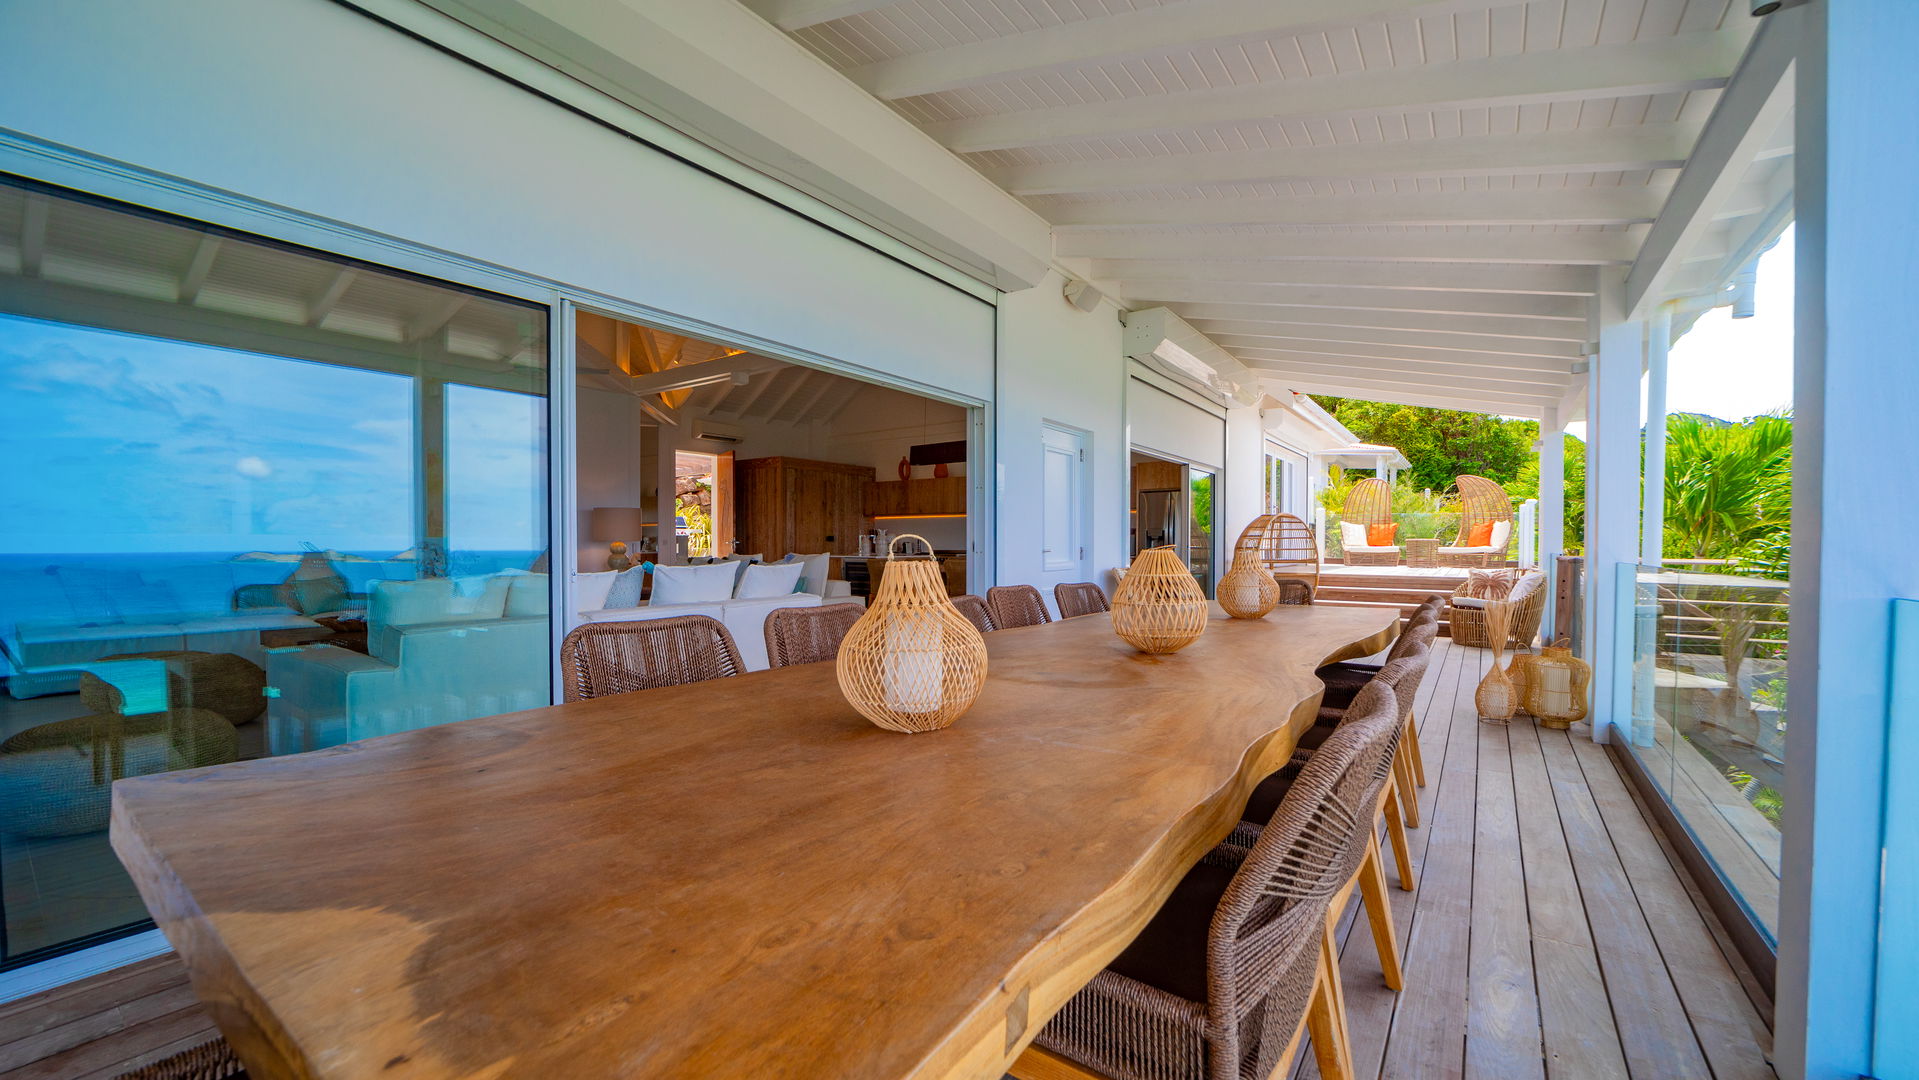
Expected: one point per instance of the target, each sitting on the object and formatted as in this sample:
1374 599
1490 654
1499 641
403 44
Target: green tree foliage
1729 490
1441 443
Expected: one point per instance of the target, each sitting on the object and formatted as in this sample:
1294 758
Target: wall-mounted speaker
1082 295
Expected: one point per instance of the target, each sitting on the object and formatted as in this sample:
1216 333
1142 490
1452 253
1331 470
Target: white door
1063 493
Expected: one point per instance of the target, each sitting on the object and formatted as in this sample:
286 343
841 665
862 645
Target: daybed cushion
1352 534
1502 532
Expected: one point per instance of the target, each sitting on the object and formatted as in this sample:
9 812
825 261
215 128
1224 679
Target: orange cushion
1380 535
1480 535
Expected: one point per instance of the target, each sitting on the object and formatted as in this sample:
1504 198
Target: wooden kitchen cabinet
795 505
916 498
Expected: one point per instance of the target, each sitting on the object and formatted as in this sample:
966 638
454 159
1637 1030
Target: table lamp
615 525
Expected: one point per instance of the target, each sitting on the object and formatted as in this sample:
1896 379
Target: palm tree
1728 486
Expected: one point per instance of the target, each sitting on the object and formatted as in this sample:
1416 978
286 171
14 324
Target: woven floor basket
913 662
1159 607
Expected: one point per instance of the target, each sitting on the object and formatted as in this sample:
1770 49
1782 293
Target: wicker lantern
1558 686
912 663
1159 607
1495 698
1248 591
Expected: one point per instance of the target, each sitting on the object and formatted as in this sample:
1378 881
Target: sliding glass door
259 501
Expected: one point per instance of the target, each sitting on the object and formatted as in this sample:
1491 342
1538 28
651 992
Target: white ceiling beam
726 369
1743 124
832 412
1365 350
795 378
1306 384
1558 330
1125 36
33 234
1585 206
798 14
1149 293
1511 381
1539 280
1358 384
1306 335
827 384
1625 149
198 267
1698 61
436 318
760 387
663 413
329 297
1565 249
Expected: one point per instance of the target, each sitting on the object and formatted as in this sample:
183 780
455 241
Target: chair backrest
1420 631
1481 500
808 635
975 611
1276 904
1289 552
1080 598
1402 676
598 659
1369 503
1016 605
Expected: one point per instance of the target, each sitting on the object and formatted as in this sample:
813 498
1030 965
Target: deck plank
1503 1028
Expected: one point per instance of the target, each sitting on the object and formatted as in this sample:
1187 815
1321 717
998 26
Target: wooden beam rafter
1586 206
1150 293
323 304
199 267
1560 249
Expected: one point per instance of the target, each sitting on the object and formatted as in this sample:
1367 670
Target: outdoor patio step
1403 594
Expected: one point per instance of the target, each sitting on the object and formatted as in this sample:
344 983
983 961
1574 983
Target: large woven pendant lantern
1248 591
1495 698
1158 606
1559 686
912 662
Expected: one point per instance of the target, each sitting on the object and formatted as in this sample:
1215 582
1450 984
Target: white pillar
1612 502
1652 517
1854 390
1552 506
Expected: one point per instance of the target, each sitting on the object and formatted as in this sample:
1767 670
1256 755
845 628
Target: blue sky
117 442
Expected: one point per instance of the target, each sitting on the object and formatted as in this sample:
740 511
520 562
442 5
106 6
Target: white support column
1552 506
1652 516
1855 387
1612 502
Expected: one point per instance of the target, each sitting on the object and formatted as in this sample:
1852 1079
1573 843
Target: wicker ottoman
58 777
228 685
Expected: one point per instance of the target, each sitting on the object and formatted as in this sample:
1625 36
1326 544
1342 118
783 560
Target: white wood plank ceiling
1397 199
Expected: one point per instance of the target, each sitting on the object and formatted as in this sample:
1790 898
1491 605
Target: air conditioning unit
1158 338
719 433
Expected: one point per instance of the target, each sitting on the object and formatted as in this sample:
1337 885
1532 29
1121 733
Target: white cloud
254 467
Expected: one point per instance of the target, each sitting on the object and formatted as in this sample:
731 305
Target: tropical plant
1729 490
1526 486
1440 443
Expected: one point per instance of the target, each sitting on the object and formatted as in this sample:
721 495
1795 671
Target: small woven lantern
1496 699
1158 606
1248 591
912 663
1559 686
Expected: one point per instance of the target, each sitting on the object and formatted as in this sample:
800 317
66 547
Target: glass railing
1708 717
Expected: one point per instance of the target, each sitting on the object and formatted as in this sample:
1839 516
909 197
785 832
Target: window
260 501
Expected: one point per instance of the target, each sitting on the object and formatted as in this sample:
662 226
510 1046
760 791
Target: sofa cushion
776 580
527 594
437 600
626 589
693 584
589 590
1352 534
816 571
1170 953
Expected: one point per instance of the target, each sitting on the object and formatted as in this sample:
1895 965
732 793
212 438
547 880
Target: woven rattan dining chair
1380 697
808 635
1344 680
1286 547
1238 964
1016 605
975 611
598 659
1080 598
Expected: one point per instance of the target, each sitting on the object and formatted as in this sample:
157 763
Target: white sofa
438 650
744 618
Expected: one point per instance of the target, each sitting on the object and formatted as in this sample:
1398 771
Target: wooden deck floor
1551 935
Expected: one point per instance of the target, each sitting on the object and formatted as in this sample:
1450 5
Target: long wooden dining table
740 878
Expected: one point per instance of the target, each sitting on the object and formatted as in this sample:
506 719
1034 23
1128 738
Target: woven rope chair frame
1080 598
808 635
1481 500
1370 503
1467 625
1286 546
975 610
598 659
1263 943
1016 605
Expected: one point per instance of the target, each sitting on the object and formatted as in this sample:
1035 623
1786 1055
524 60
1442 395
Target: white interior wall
1060 365
366 126
1241 482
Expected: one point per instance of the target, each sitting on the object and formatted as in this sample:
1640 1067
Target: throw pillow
1502 532
1352 533
817 568
1380 535
1480 535
589 590
779 579
692 584
628 586
1488 584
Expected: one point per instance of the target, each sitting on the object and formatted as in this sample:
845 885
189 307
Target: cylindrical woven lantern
1248 591
1159 607
1559 686
1495 698
912 662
